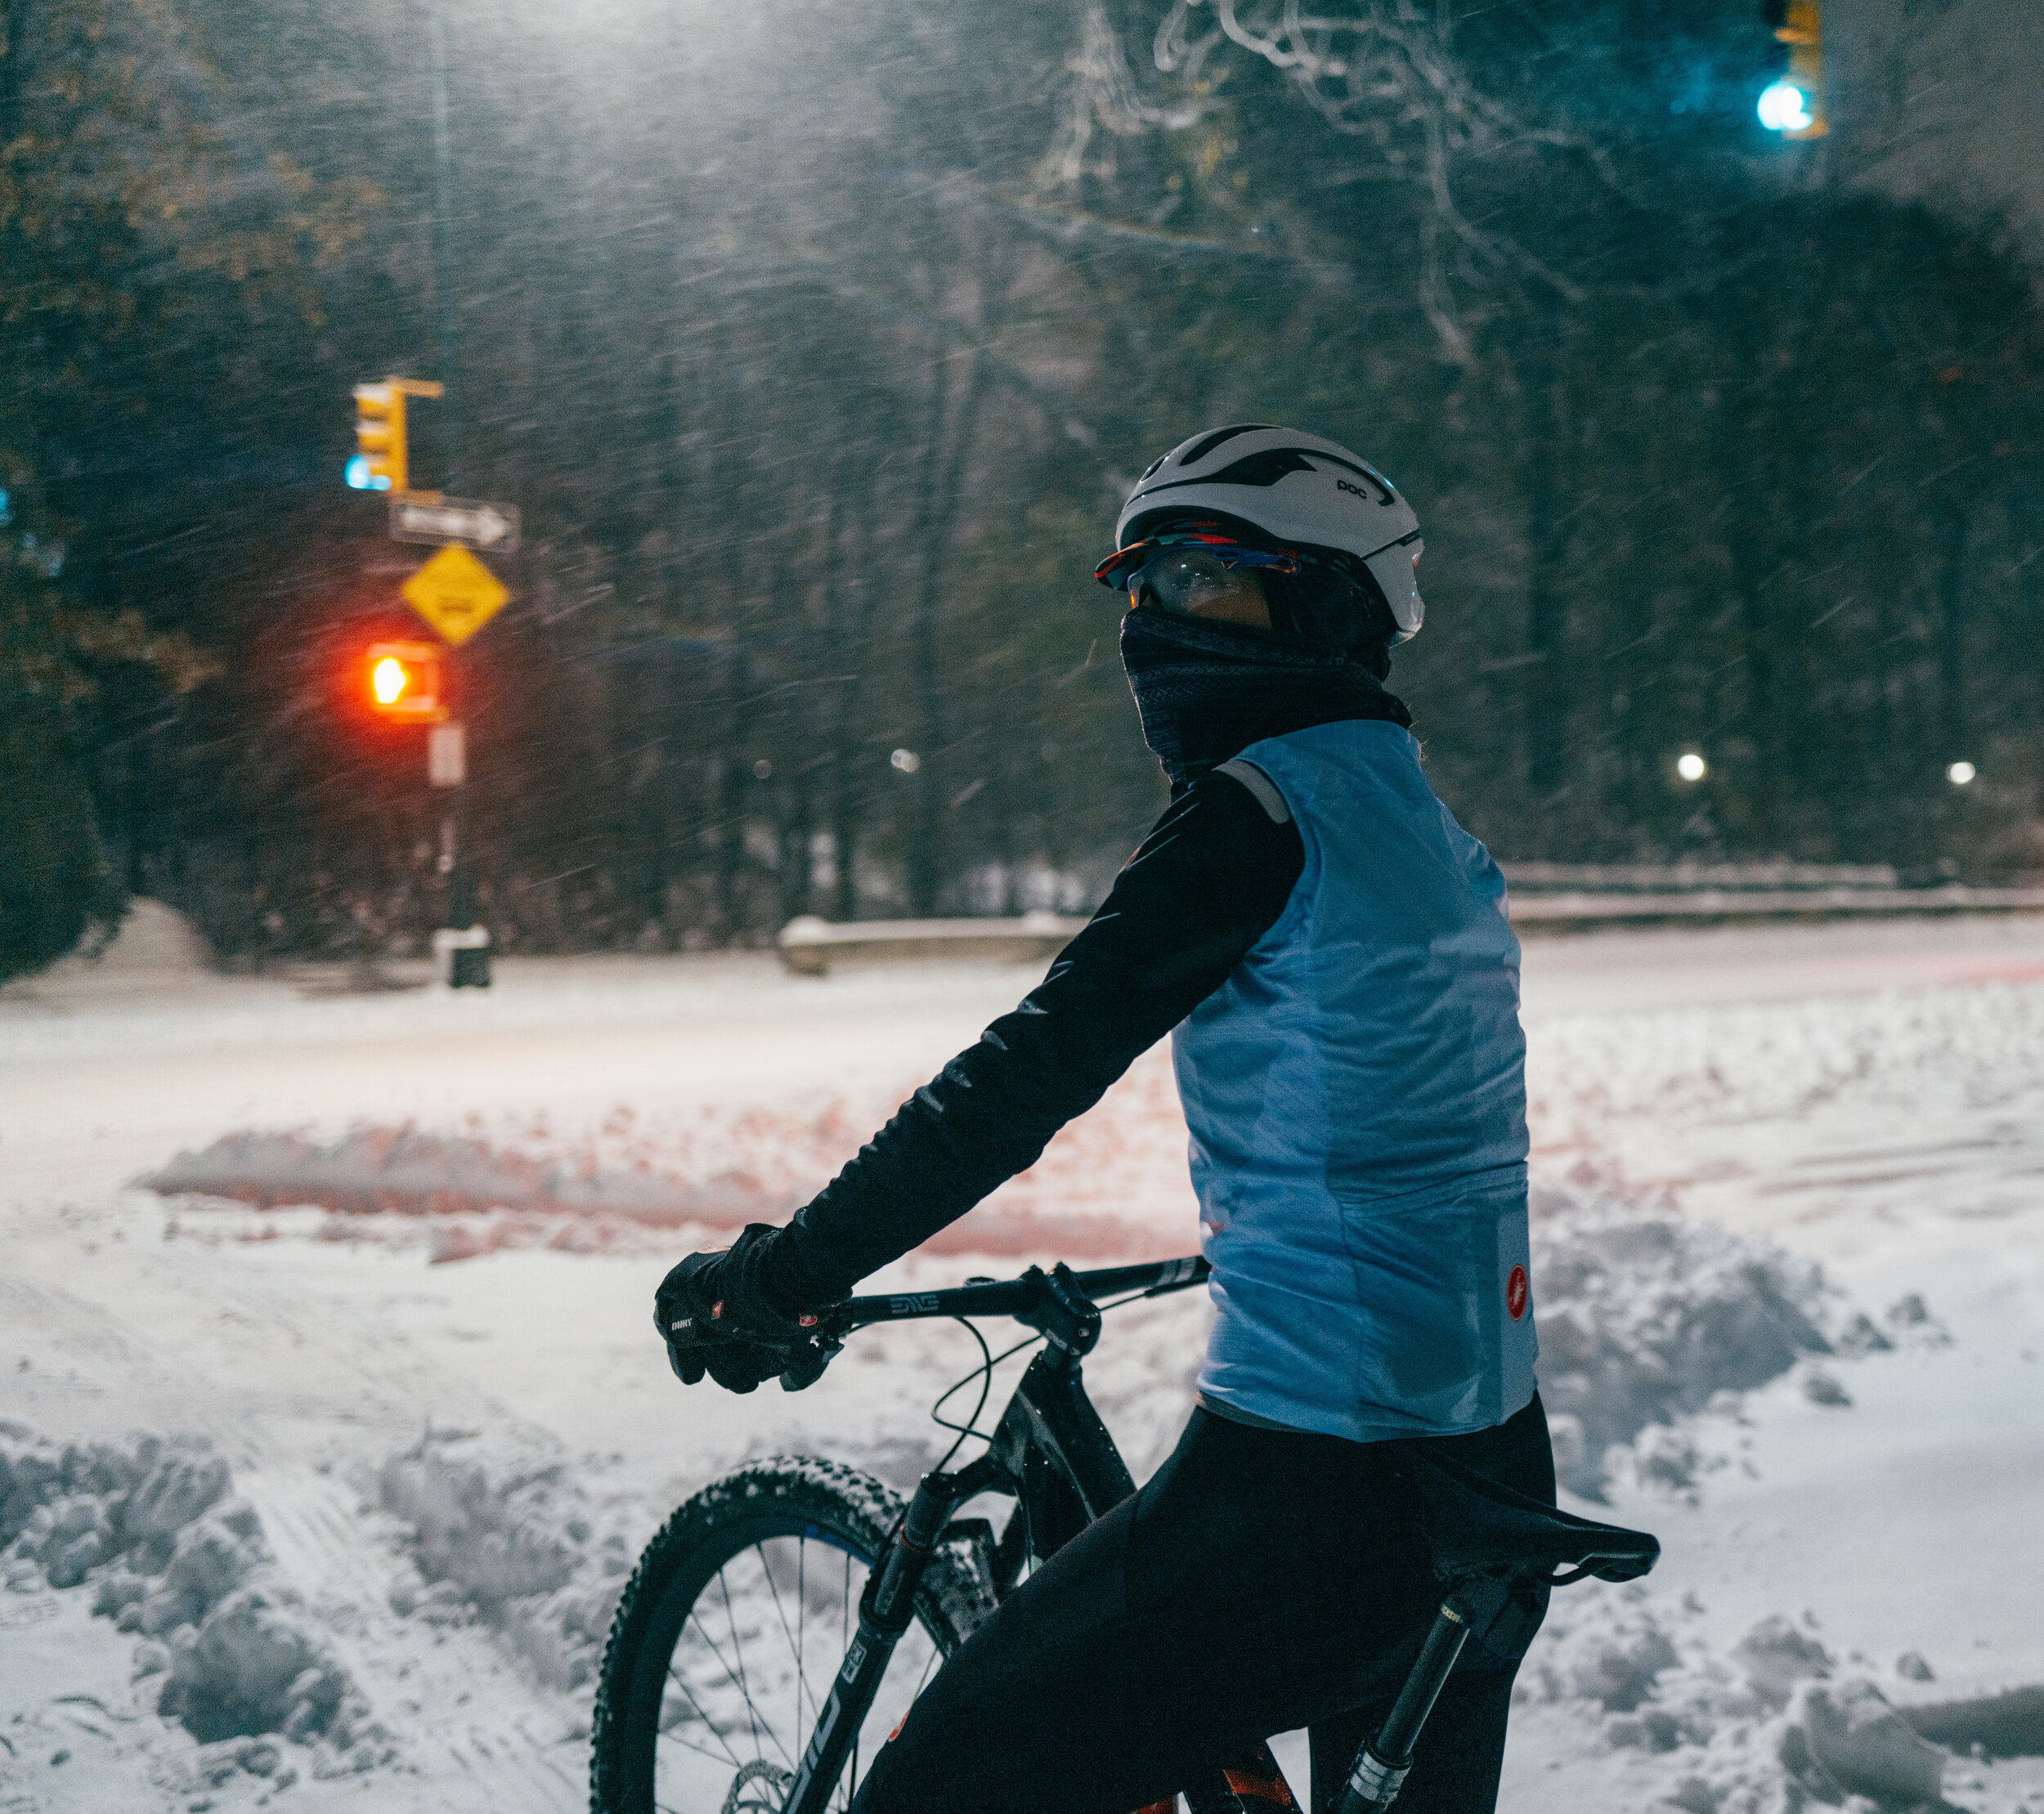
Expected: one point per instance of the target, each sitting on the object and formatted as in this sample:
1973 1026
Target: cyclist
1330 953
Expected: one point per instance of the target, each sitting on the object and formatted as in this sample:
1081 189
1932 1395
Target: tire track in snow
498 1764
501 1761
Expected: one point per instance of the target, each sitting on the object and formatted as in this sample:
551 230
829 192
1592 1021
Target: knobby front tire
732 1629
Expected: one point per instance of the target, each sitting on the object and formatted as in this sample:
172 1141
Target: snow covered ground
391 1496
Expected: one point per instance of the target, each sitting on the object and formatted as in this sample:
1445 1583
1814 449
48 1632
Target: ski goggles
1178 568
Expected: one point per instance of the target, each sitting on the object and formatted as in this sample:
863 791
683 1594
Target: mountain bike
778 1628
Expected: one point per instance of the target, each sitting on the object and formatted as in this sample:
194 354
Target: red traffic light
403 681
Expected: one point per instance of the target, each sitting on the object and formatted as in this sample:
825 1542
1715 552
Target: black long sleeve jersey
1210 880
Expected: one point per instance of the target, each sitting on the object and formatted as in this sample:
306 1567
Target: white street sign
446 756
455 522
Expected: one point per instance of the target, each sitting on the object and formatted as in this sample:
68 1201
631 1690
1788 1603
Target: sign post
457 594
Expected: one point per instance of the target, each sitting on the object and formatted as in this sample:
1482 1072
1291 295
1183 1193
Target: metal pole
445 336
469 965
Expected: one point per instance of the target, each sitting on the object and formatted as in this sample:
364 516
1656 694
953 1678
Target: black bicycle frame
1049 1452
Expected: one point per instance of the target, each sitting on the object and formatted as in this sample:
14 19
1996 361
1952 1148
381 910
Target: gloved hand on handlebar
713 1313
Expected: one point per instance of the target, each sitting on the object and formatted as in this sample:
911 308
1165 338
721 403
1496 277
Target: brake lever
820 1347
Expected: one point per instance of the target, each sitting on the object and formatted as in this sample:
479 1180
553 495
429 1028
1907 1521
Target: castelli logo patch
1515 1292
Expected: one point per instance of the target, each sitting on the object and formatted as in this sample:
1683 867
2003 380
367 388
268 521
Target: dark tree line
818 353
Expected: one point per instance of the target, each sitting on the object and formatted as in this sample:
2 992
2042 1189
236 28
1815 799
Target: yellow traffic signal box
379 435
383 460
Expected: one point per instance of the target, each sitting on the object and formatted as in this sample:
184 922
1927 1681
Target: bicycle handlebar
1008 1297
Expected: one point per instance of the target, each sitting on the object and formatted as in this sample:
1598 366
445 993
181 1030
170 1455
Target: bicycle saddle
1477 1529
1495 1552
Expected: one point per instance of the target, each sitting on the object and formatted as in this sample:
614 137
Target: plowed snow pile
1763 1730
1645 1316
150 1526
638 1183
514 1541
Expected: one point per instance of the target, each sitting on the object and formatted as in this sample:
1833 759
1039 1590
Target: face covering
1208 690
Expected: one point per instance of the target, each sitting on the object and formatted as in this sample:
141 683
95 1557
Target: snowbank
153 943
150 1526
514 1542
1761 1730
401 1171
466 1196
1645 1315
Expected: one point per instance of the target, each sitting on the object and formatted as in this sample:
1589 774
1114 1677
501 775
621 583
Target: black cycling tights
1263 1580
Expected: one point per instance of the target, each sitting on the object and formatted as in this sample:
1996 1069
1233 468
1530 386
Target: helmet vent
1262 470
1193 455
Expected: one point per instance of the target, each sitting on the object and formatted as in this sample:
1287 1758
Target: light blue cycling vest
1355 1093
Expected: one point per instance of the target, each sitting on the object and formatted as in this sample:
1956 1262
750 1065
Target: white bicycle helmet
1298 489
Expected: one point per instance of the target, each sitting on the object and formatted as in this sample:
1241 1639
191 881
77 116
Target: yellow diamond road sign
456 594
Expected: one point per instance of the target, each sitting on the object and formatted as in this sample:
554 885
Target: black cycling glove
713 1312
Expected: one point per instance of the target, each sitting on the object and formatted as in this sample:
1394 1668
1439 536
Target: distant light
1691 766
387 679
1961 773
359 478
1784 107
906 761
762 769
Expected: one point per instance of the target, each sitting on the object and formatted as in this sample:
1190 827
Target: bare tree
1385 73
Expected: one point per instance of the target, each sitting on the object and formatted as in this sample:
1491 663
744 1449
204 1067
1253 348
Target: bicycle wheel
732 1627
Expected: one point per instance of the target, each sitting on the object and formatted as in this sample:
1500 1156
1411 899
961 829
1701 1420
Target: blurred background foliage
818 343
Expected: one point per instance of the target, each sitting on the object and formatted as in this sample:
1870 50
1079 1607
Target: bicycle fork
884 1610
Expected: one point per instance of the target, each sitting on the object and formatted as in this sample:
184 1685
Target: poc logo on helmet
1353 491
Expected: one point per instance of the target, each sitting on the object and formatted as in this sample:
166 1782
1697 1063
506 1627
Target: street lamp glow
387 679
906 760
1784 107
1960 774
359 478
1691 766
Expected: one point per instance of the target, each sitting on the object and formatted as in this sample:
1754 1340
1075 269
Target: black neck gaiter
1206 690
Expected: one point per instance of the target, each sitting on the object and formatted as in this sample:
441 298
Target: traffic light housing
403 681
1793 104
382 458
379 464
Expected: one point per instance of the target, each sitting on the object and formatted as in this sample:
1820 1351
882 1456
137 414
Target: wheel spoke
674 1675
737 1650
801 1665
738 1682
670 1738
